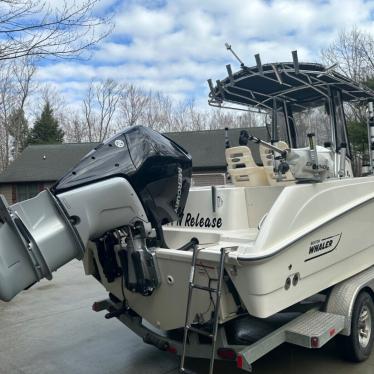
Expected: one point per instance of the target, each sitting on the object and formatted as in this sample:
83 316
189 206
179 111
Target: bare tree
353 51
74 129
347 52
23 71
249 119
38 28
107 96
164 107
197 118
109 105
88 112
51 94
133 102
218 119
158 112
180 117
4 159
99 107
7 102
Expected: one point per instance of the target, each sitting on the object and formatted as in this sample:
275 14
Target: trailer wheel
357 347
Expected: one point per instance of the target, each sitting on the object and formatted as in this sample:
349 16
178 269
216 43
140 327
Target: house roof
49 162
45 162
207 148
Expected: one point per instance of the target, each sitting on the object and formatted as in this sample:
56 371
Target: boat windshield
316 120
324 118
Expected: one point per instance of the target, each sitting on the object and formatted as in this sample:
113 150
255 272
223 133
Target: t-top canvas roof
299 83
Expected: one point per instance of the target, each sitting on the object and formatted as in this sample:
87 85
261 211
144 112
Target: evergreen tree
46 129
19 130
358 136
357 127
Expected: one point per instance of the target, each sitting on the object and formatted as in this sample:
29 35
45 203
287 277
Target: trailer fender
343 296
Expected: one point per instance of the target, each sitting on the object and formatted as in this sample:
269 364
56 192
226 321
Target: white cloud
143 22
175 46
99 7
63 71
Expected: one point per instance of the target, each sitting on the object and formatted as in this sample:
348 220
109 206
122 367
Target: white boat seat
242 168
267 161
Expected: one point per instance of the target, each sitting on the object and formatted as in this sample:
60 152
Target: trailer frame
310 329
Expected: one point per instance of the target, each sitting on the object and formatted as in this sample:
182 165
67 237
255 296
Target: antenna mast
228 47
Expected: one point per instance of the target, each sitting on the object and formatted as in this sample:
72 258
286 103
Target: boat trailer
312 328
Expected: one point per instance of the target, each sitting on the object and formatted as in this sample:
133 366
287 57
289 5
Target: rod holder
295 62
229 72
220 88
258 63
211 87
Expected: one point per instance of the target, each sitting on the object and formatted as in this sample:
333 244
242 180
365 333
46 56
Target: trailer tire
357 347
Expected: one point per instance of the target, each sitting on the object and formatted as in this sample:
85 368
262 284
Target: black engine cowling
158 169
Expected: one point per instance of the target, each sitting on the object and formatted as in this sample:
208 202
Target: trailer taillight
314 342
226 354
239 362
171 349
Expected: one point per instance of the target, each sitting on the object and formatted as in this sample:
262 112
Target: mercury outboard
120 194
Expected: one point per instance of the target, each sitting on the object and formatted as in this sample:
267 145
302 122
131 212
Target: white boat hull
313 237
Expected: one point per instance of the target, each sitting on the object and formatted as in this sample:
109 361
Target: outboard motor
118 197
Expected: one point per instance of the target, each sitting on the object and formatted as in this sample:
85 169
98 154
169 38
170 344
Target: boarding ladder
217 291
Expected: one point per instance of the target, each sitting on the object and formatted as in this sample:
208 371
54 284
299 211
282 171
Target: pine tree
46 129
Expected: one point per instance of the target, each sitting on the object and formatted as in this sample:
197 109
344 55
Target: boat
290 238
293 227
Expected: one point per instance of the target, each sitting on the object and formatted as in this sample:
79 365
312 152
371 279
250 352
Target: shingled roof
49 162
45 162
207 148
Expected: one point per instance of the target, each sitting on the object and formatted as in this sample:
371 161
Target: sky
175 46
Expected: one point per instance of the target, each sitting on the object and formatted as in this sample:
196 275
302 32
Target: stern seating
243 170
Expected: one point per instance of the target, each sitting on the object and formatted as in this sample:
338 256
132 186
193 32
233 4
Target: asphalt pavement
52 329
